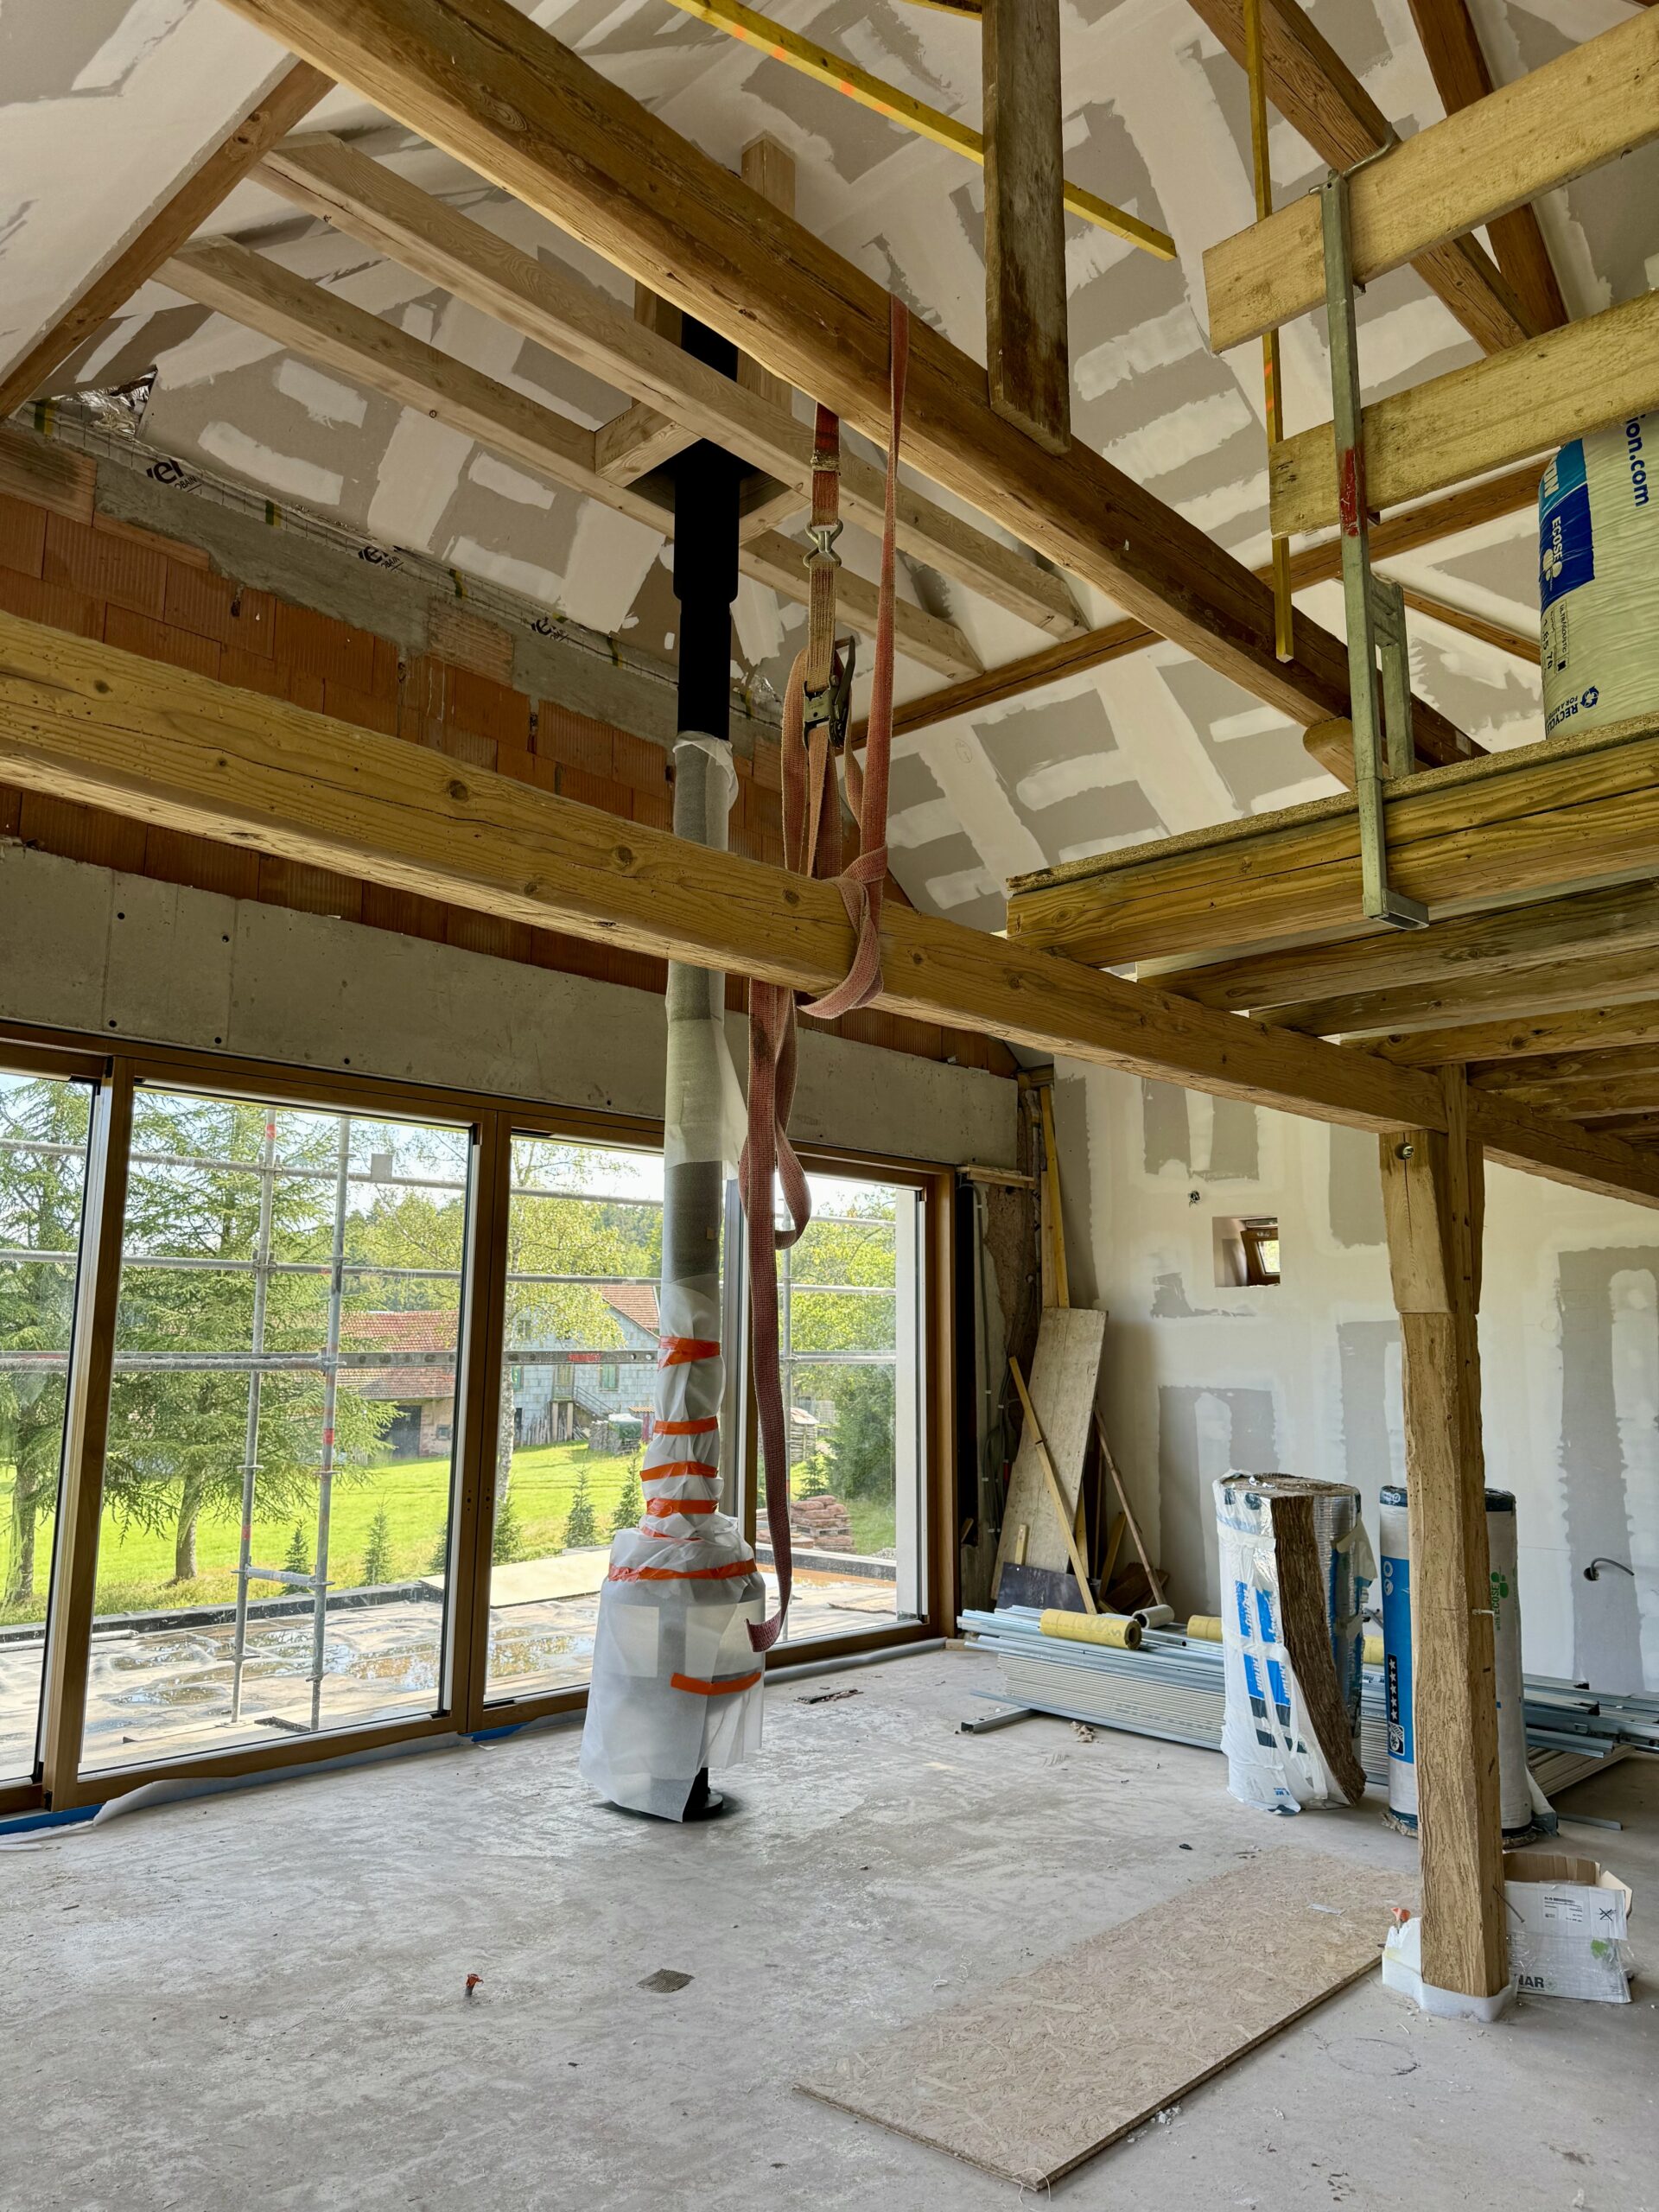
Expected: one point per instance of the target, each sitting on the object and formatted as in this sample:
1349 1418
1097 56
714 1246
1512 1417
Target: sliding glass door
851 1295
273 1548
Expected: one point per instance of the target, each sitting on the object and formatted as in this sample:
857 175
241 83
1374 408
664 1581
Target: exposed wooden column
1026 351
1433 1193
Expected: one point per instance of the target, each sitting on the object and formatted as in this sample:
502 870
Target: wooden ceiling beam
1458 64
237 156
1525 1039
160 744
1469 508
1381 1018
164 745
1320 96
1577 112
1567 1153
1571 813
263 295
366 200
1581 1072
1425 962
478 80
1535 397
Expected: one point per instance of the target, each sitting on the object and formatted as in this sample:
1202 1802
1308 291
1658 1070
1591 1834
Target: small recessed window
1246 1250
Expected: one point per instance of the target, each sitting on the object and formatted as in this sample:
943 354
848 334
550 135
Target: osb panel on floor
1057 2063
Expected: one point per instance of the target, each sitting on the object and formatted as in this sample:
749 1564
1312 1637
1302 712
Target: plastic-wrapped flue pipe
677 1686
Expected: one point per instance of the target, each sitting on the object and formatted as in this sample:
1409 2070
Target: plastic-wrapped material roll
1515 1799
1599 577
1275 1757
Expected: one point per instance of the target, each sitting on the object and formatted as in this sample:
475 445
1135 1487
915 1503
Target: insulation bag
1599 577
1394 1531
1291 1739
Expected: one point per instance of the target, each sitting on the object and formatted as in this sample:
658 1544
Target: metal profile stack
1173 1689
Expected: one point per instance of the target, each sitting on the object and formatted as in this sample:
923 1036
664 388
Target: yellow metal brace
846 76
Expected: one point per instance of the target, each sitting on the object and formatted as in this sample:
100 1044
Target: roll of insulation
1599 577
1154 1616
1204 1628
1515 1799
1273 1759
1121 1631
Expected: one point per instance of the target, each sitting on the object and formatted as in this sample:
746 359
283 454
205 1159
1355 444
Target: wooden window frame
60 1786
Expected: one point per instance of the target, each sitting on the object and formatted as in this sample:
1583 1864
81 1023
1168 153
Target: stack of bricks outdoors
64 563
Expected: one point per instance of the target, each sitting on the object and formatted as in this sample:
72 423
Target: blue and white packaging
1273 1759
1599 578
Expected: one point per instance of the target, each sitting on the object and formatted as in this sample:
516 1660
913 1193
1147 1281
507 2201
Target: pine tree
298 1561
582 1527
377 1560
631 1506
508 1543
439 1562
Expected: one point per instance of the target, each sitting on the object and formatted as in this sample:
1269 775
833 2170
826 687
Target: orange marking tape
680 1351
687 1427
715 1689
726 1573
663 1506
681 1467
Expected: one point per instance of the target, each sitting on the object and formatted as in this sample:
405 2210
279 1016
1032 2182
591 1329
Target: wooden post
86 1436
769 170
1432 1183
1026 353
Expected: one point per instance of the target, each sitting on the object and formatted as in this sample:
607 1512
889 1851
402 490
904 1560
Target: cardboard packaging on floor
1567 1922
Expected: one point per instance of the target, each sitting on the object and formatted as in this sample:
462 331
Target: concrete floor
259 1998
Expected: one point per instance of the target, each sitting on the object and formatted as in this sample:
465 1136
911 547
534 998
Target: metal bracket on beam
1374 608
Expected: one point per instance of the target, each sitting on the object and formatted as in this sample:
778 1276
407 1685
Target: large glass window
850 1335
273 1549
579 1359
44 1126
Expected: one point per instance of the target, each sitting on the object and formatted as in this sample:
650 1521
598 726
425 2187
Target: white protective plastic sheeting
1599 577
1273 1759
676 1684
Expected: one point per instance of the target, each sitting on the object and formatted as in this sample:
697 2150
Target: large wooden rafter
475 78
263 295
1405 533
86 723
366 200
1583 109
1320 96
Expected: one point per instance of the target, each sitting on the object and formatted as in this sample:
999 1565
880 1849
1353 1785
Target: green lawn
135 1566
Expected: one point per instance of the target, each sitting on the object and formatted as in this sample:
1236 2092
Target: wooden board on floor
1043 2072
1064 1372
